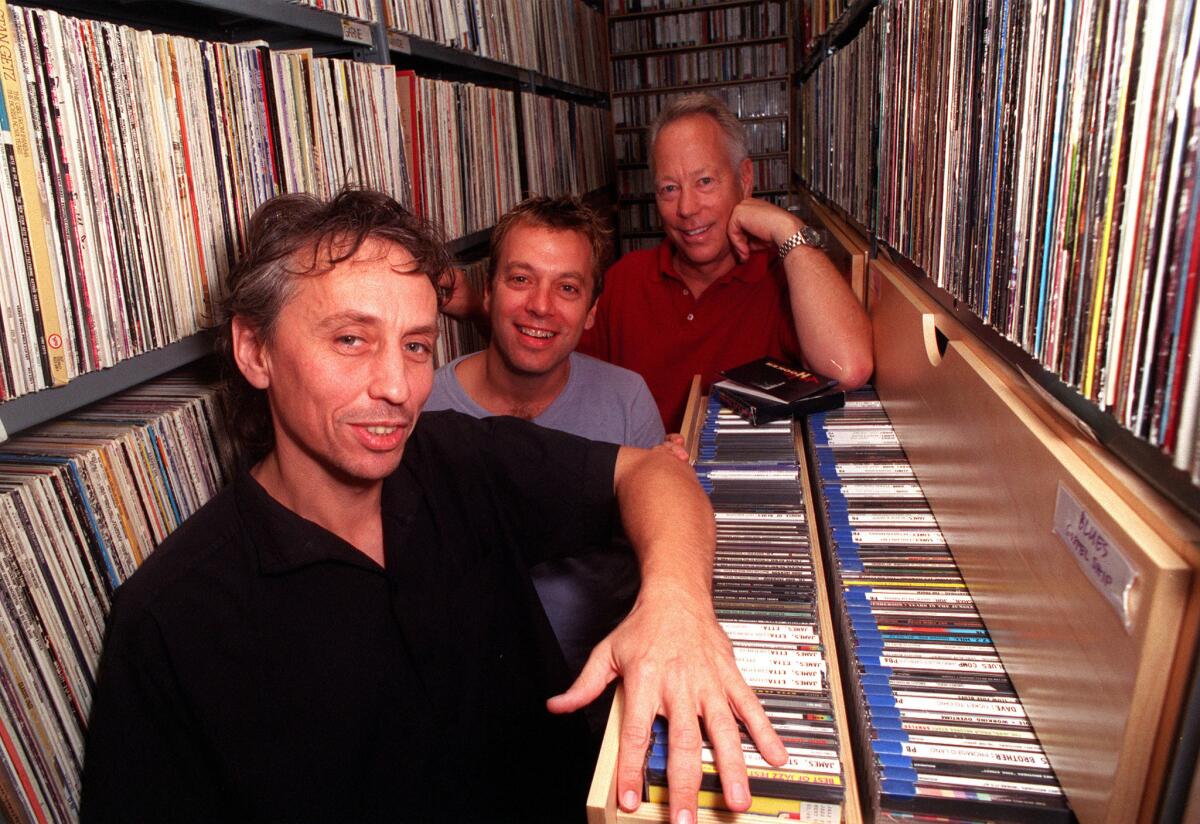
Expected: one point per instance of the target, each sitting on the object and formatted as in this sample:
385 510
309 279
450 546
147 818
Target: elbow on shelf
857 370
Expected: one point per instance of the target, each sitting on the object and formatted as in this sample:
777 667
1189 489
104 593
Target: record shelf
1000 424
273 26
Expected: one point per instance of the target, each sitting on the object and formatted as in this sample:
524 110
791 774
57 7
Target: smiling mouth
535 333
381 430
696 232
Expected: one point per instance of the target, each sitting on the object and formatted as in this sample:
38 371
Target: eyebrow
520 264
349 316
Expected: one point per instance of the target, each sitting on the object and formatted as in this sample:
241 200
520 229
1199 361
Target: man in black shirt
348 632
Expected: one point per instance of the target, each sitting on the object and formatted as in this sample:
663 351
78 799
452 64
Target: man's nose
389 376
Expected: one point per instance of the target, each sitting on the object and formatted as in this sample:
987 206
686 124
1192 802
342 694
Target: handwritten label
1101 559
398 42
356 32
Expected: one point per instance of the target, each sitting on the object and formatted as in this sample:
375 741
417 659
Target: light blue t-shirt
584 597
600 402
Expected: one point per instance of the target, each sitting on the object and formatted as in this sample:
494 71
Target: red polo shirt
647 320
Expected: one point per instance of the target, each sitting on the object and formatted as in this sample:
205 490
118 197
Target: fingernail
629 800
684 817
737 793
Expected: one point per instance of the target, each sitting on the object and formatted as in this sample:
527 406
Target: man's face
697 186
541 298
349 367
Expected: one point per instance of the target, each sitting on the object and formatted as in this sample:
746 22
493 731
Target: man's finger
684 745
641 705
726 740
749 710
595 676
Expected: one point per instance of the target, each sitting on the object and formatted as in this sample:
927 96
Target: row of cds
359 9
942 733
1041 165
460 141
836 112
765 593
754 21
748 101
717 65
87 498
556 37
567 148
134 162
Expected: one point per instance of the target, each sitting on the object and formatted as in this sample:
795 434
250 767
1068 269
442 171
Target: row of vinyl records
1041 165
747 101
770 174
86 499
461 143
699 28
556 37
134 163
717 65
814 17
762 137
359 9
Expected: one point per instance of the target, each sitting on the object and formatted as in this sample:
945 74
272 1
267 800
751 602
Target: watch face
812 237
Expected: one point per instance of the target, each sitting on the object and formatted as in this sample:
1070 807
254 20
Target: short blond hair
705 105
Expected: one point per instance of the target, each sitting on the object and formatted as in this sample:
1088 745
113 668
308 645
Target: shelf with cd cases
736 51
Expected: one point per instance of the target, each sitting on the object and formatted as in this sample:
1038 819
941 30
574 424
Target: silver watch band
804 236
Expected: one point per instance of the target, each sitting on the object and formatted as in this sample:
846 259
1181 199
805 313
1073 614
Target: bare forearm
668 520
464 303
831 326
833 329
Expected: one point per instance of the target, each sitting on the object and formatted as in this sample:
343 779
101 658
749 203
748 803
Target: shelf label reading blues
1101 559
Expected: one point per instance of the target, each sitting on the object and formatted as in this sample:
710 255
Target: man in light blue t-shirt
544 276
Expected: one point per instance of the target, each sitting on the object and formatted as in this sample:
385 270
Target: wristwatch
804 236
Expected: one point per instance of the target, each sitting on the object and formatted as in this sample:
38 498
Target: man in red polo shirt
735 278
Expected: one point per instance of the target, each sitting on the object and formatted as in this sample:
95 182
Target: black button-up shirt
257 667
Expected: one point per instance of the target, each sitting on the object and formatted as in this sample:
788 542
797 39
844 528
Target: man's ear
590 321
746 173
487 297
250 354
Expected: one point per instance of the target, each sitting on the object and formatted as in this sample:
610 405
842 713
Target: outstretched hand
676 662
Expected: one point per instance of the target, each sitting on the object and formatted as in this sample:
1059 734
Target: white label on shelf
1102 560
398 42
355 32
